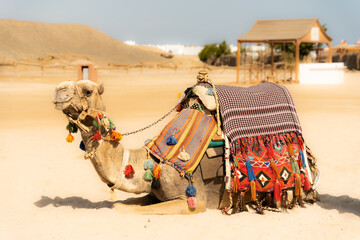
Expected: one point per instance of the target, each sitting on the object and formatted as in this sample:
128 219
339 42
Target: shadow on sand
342 203
79 202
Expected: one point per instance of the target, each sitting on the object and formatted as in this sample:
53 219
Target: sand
50 192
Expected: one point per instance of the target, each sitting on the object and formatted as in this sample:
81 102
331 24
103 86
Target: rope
217 109
160 119
203 77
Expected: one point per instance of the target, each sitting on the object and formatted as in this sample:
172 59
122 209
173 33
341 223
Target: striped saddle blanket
261 110
193 131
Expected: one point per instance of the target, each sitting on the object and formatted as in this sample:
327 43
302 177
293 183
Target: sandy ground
48 191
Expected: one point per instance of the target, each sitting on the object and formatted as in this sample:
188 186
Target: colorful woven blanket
261 110
193 131
260 154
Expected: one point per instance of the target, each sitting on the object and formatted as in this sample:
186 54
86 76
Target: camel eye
87 92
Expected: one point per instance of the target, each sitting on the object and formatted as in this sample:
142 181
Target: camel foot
173 207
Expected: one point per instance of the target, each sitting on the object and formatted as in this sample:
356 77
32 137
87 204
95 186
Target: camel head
68 94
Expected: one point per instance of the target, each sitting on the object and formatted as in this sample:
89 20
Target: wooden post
297 56
238 61
272 58
330 52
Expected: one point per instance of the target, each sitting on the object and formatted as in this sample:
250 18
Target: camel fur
107 157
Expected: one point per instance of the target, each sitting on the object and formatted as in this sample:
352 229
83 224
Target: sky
190 22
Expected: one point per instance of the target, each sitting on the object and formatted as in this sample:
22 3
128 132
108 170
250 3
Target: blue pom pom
171 140
149 164
190 191
82 146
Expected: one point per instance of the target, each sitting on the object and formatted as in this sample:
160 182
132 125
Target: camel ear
101 89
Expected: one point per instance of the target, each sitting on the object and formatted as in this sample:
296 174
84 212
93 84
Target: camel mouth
62 105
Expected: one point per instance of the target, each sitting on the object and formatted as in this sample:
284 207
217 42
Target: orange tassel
69 138
115 136
277 191
275 170
297 185
253 190
290 149
157 172
306 183
234 185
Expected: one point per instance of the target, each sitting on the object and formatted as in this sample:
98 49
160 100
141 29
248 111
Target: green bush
214 50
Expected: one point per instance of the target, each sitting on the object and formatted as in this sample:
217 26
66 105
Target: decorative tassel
191 191
237 183
82 146
148 176
277 193
157 172
69 138
149 164
192 202
253 191
171 140
302 158
129 171
235 187
72 128
97 136
250 171
294 166
290 149
307 186
297 185
111 125
115 136
95 123
112 195
275 169
155 184
183 156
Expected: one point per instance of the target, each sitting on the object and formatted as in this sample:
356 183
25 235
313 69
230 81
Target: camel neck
88 139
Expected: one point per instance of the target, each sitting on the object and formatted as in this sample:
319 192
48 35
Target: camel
81 101
72 98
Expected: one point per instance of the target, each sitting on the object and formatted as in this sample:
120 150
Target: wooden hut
282 31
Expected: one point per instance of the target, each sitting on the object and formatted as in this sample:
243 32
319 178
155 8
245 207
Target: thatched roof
280 30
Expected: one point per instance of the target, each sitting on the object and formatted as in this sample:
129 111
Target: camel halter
121 176
86 111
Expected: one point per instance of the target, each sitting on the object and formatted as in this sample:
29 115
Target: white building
178 49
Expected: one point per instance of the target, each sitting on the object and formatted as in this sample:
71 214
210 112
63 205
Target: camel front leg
173 207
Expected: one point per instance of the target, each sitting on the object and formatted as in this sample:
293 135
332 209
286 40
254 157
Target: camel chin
62 105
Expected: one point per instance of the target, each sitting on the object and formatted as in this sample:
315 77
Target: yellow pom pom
69 138
179 94
116 136
157 171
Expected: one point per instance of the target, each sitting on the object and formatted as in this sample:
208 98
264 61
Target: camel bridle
86 110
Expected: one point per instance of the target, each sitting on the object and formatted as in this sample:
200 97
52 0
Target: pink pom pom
192 202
